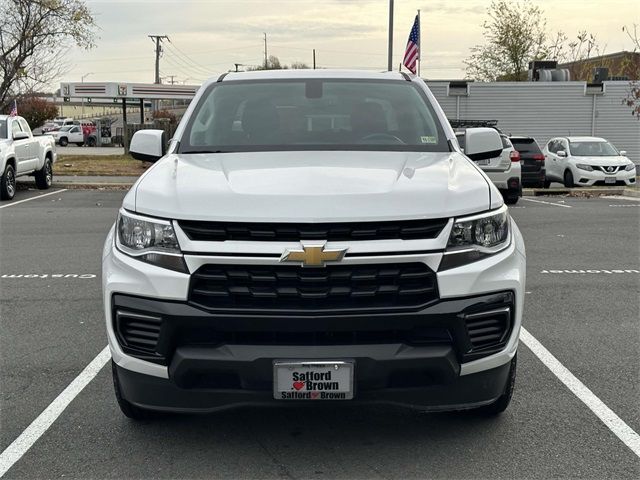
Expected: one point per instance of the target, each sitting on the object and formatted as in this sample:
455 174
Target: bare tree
35 35
515 35
632 99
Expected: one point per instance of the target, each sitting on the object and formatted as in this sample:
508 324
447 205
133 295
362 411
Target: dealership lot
583 305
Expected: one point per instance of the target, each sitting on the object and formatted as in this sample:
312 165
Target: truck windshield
313 114
3 129
593 149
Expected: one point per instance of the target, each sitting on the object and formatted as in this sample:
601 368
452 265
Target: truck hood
310 186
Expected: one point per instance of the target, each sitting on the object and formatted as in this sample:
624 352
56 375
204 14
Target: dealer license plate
610 180
312 380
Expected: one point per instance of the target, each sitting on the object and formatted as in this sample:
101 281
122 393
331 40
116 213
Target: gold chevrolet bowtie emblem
313 255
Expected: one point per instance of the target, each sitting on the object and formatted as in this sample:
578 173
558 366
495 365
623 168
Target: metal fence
545 110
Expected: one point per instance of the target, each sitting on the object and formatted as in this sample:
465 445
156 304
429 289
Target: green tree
36 110
514 35
35 35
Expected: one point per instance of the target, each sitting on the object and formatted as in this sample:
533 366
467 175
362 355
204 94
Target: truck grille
299 289
294 232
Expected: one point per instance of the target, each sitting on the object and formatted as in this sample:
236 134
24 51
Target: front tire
568 179
63 142
8 183
503 401
44 176
128 409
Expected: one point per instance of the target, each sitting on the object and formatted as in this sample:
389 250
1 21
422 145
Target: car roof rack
466 123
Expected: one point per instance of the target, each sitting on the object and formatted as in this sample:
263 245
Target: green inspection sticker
428 139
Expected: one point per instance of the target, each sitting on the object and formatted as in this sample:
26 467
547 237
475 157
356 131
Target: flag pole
390 50
419 42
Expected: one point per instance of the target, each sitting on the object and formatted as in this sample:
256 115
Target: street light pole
82 81
390 51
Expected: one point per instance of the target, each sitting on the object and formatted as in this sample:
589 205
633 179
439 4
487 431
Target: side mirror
148 145
482 143
20 136
623 153
561 153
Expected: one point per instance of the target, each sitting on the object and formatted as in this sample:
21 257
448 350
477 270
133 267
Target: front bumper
218 373
598 178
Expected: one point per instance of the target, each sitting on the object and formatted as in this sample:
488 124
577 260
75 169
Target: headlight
150 240
582 166
631 166
476 237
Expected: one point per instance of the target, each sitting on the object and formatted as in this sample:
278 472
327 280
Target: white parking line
622 197
623 431
41 424
547 203
33 198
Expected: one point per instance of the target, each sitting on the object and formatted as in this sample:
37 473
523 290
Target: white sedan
587 161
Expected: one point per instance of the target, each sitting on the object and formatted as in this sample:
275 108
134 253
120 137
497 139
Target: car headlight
476 237
631 166
582 166
150 240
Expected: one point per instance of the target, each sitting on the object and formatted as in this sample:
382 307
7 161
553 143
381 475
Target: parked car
23 154
68 134
503 170
360 256
587 161
64 121
531 161
49 127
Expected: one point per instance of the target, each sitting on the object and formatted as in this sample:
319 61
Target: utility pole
157 39
266 57
314 58
390 51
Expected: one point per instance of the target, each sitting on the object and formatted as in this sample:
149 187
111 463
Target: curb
92 186
532 192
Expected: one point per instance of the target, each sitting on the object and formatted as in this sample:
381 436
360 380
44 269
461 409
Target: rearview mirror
20 136
561 153
148 145
482 143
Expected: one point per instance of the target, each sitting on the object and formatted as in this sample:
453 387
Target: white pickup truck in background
23 154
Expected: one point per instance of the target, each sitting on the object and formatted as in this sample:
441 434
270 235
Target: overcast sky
209 36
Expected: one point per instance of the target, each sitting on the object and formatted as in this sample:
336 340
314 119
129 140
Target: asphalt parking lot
582 305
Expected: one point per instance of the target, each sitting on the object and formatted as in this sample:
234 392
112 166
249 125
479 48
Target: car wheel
568 179
8 183
92 142
503 401
44 176
128 409
63 142
546 183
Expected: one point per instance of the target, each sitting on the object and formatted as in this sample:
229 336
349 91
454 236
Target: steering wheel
383 136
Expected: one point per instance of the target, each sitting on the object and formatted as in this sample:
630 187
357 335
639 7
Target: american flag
14 109
412 53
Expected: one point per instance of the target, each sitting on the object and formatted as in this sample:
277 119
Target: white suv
503 170
313 235
587 161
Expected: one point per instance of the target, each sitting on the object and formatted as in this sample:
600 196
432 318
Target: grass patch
102 165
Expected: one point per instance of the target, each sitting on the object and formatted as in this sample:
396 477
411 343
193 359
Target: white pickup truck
23 154
313 235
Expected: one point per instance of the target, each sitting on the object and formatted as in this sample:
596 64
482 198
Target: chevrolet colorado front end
313 236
